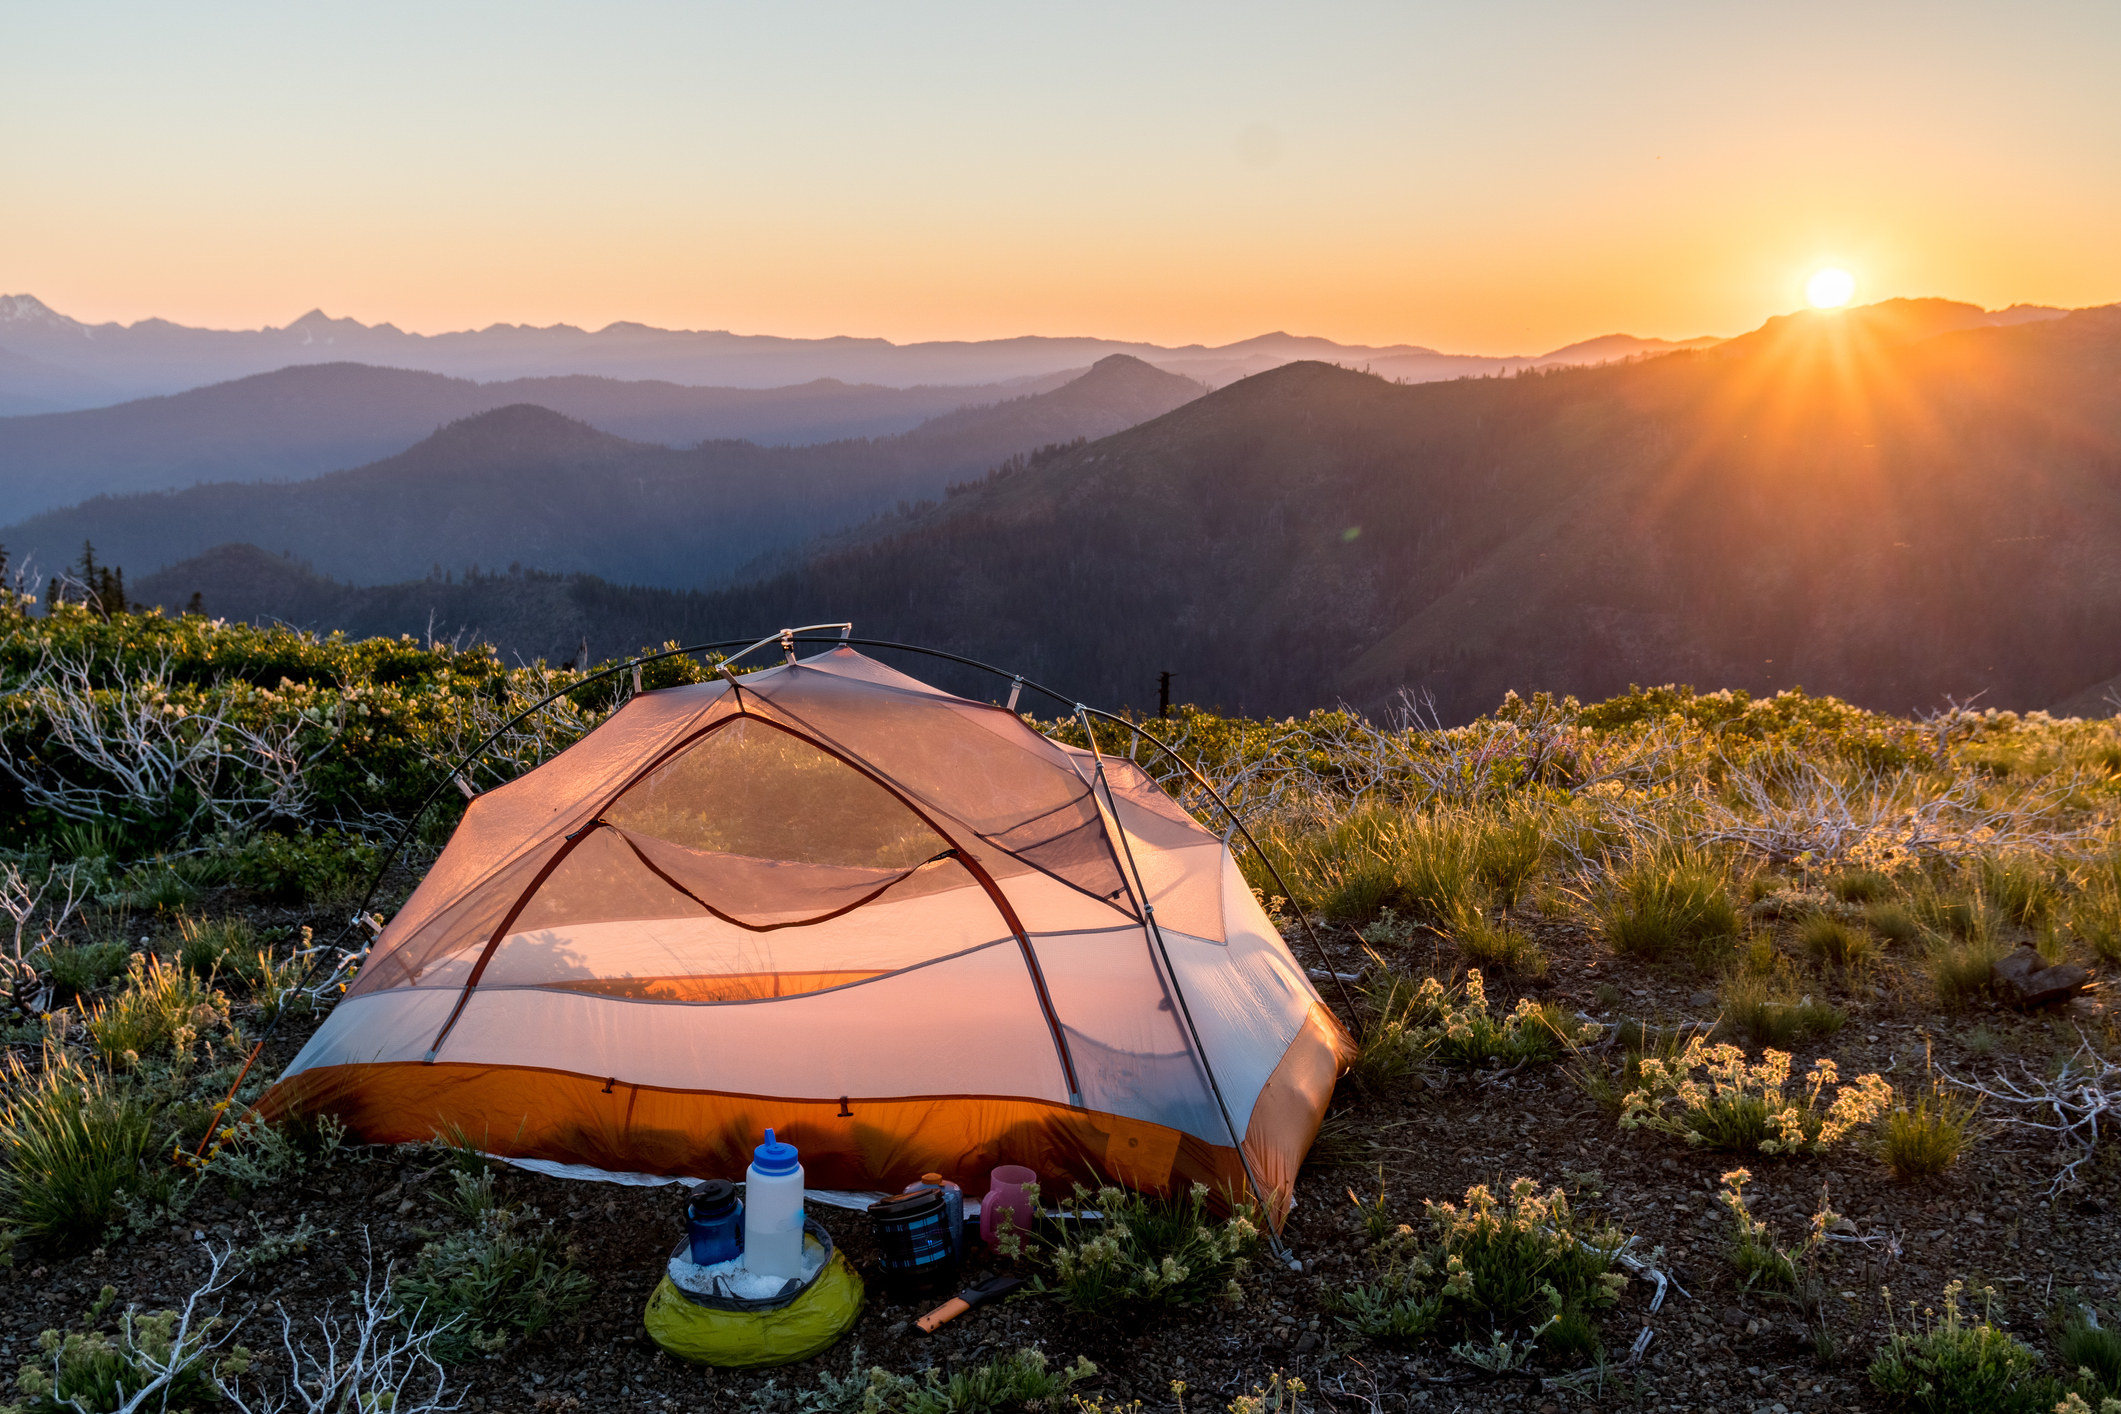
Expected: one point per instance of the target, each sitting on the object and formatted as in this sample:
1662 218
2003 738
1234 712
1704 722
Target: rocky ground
1712 1346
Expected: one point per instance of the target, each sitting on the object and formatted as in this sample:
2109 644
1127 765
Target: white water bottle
773 1210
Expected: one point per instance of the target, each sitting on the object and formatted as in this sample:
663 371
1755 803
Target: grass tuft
74 1148
1952 1364
1667 904
1768 1011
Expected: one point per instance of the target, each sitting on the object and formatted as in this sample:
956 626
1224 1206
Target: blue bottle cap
774 1157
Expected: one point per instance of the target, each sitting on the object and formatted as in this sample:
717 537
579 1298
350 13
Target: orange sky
1499 182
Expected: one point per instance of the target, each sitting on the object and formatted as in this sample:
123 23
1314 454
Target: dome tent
899 926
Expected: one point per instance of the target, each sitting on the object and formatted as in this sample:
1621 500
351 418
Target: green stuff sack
732 1332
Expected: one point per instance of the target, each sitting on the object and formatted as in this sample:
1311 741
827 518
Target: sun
1829 288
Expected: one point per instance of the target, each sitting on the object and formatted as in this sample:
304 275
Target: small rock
1699 999
1732 1316
1307 1343
2028 981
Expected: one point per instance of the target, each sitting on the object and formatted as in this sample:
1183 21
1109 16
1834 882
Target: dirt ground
1712 1347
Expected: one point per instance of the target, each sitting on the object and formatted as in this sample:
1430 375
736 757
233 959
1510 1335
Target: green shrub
160 1008
1758 1258
73 1149
1952 913
1830 941
1507 853
1949 1364
2091 1351
1768 1011
1147 1251
210 946
77 969
255 1154
1962 970
1765 1263
1497 947
89 1372
1006 1385
1860 886
2022 890
326 868
1894 922
1739 1106
1490 1267
1394 1045
1456 1027
1927 1137
1668 903
505 1275
2095 914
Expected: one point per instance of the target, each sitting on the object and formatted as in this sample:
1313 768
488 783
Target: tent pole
1317 945
1178 993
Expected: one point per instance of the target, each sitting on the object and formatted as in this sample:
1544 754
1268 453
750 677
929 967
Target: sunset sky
1482 178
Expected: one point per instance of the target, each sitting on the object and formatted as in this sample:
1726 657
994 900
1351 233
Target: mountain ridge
308 419
153 356
526 484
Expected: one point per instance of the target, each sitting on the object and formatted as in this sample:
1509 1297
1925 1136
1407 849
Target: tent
901 927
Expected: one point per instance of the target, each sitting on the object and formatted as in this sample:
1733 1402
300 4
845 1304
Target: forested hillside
526 485
1896 504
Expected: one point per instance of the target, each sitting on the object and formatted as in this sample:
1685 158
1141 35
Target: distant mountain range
51 363
524 484
304 421
1896 504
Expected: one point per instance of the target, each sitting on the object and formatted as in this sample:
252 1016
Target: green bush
90 1372
1950 1364
2022 890
1926 1138
1146 1251
1456 1028
210 946
1768 1011
1712 1097
1668 903
2093 1353
1507 853
77 969
1498 947
1860 886
73 1149
1894 922
1494 1266
160 1008
1018 1383
503 1276
1962 970
1831 942
329 867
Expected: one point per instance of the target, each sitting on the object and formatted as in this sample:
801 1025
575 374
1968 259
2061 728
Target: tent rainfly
901 927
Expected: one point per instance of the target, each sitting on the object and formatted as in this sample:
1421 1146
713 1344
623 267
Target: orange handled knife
965 1300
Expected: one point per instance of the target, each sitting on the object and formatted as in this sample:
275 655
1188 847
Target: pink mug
1005 1194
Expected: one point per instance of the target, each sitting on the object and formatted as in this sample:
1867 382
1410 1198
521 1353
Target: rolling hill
524 484
310 419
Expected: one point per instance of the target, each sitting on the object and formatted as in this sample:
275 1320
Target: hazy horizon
1480 181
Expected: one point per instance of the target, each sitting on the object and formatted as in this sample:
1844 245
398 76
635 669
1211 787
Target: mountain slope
1892 504
306 420
524 484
